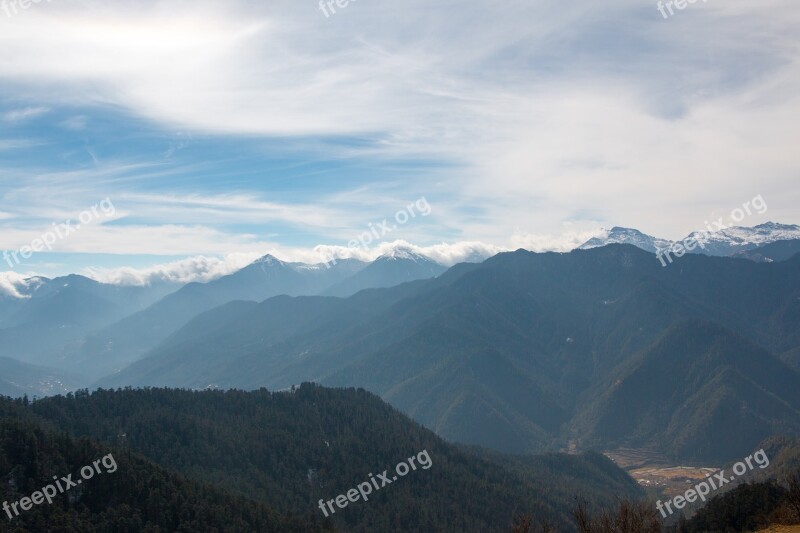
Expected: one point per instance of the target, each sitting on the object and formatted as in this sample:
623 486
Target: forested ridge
288 450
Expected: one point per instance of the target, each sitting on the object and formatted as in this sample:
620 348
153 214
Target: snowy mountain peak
620 235
728 241
268 260
723 242
779 231
404 253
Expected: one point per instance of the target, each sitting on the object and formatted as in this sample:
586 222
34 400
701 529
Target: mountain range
525 352
723 242
94 329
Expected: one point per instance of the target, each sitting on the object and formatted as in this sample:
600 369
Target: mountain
723 243
729 241
393 268
20 378
121 343
125 493
124 342
698 381
198 354
50 314
14 295
513 352
290 450
618 235
774 251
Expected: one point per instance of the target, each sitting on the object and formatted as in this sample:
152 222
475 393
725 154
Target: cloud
564 242
76 123
444 253
204 268
599 113
23 114
198 268
11 283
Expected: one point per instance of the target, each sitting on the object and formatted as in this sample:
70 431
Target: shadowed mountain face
775 251
123 342
126 493
524 351
52 315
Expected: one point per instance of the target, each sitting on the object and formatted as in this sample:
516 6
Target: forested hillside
289 450
135 495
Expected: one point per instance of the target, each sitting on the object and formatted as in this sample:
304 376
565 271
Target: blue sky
223 131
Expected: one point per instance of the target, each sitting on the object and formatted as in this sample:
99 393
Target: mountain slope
121 343
53 314
18 379
399 266
294 448
701 387
774 251
497 354
129 494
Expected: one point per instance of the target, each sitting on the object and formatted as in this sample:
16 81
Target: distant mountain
729 241
121 343
18 379
126 341
396 267
508 353
289 450
53 313
722 243
618 235
774 251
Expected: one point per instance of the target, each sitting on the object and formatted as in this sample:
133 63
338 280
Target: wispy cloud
204 268
538 113
23 114
198 268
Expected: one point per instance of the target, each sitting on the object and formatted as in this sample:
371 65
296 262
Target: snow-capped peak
619 235
406 253
728 241
268 260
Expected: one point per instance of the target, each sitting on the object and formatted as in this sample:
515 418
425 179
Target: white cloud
598 112
23 114
205 268
76 123
569 240
444 253
198 268
11 283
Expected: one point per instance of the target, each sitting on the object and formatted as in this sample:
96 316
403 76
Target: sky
193 137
